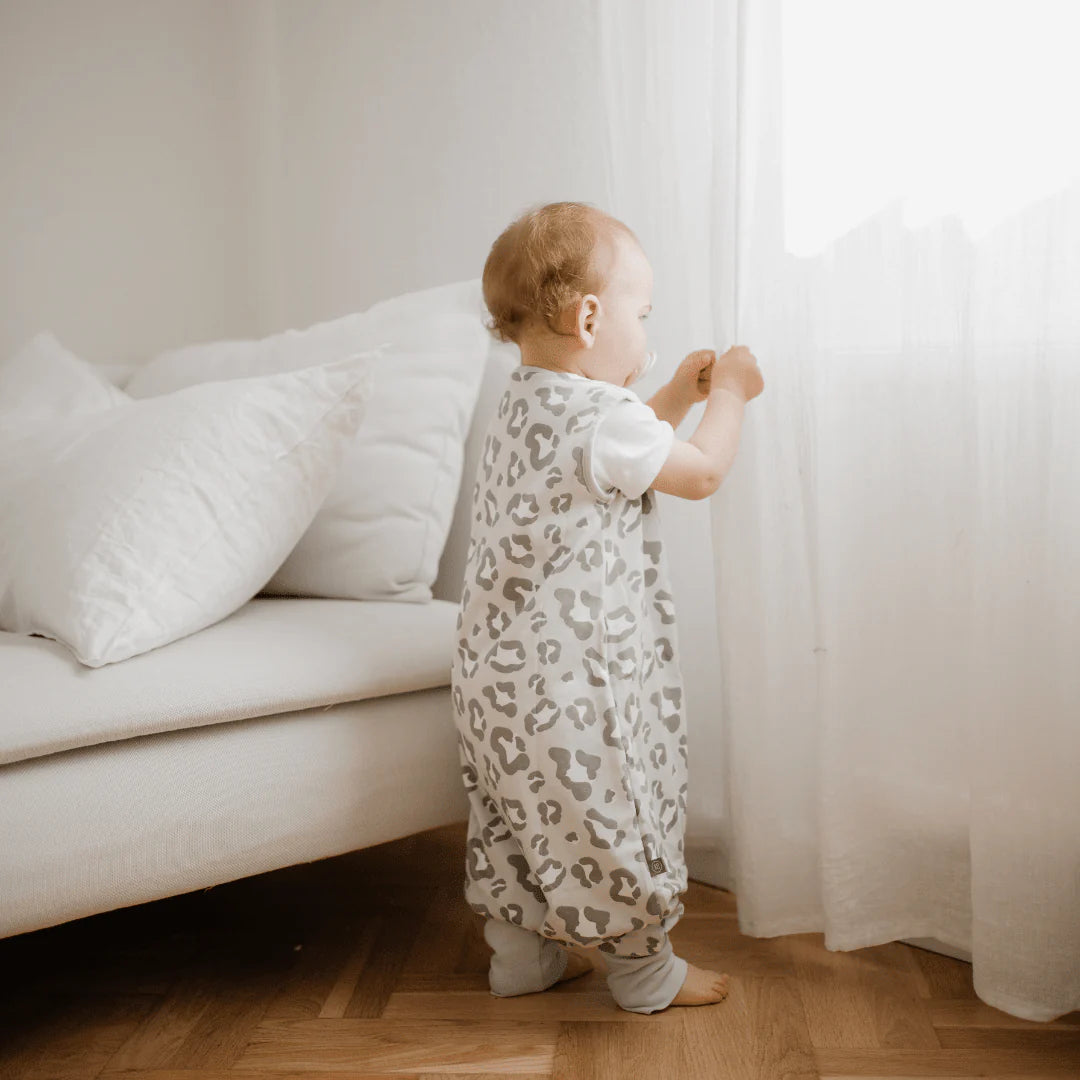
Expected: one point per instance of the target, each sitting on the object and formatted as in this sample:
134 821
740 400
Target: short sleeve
629 447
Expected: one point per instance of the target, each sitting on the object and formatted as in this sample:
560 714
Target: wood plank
863 998
716 944
401 1046
560 1003
396 933
893 1063
83 1035
946 1014
606 1051
759 1032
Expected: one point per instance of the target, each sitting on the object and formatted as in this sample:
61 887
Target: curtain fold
893 751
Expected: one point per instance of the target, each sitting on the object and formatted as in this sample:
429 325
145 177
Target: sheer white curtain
883 202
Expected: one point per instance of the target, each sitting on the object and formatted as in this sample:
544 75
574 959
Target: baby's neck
534 356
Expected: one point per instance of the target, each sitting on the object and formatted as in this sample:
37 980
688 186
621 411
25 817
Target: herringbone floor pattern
371 965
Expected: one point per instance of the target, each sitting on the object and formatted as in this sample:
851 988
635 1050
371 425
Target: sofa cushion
127 524
379 533
273 655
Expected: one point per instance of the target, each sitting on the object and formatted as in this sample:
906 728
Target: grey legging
525 962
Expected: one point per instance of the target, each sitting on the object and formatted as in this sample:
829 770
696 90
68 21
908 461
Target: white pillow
382 529
126 524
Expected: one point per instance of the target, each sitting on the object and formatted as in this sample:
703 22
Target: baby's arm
696 468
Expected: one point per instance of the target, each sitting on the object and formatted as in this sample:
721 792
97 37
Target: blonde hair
543 262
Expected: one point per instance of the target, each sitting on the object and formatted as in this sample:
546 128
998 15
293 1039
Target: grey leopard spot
515 589
502 737
667 708
518 549
506 656
497 621
478 866
623 665
579 612
525 878
624 888
580 789
587 871
486 572
629 517
514 814
558 560
477 723
580 420
612 836
523 508
501 696
541 442
615 571
550 874
469 660
554 398
620 624
595 668
549 651
664 606
542 716
553 534
517 417
515 468
590 555
601 918
512 913
582 712
590 762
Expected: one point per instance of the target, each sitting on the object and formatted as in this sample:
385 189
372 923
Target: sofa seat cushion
274 654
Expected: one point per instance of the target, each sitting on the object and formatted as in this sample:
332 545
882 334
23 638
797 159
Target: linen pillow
127 524
381 531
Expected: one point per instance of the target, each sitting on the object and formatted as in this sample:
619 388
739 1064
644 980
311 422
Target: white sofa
293 730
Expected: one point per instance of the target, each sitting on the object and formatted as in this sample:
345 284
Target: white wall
122 136
411 132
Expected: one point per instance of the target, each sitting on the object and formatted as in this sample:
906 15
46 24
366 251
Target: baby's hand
693 377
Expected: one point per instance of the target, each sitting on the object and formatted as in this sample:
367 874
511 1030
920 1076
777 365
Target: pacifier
650 361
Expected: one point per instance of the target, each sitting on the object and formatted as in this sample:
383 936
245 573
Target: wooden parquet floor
371 965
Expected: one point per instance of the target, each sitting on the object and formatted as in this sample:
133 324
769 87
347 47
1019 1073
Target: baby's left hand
693 376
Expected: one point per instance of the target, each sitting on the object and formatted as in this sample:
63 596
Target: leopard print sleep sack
566 685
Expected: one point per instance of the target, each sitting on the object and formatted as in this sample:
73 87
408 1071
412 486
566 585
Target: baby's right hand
737 371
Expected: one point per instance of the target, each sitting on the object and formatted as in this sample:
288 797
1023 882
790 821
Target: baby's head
571 286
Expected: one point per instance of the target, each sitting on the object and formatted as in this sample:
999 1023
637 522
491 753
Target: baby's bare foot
701 987
576 964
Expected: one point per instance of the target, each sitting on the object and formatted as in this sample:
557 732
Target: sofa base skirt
121 823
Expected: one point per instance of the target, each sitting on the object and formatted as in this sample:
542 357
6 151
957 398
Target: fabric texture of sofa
292 730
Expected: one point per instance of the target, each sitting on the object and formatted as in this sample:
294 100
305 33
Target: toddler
566 685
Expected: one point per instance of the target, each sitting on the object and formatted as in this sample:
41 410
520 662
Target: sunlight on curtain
937 103
882 201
